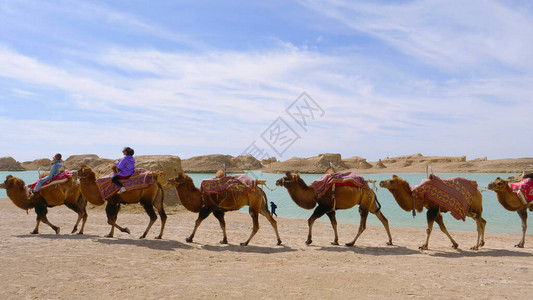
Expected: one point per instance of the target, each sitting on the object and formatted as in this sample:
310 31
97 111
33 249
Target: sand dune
68 266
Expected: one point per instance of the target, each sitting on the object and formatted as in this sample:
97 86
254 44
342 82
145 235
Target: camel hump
330 171
219 174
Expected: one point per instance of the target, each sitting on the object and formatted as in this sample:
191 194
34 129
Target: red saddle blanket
324 183
524 189
140 179
215 185
62 175
452 194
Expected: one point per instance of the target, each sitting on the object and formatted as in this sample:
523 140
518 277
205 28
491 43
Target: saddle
62 177
140 179
451 194
324 183
524 190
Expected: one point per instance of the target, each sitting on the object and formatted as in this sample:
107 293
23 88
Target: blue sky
191 78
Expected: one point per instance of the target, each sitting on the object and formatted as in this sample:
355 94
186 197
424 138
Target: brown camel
510 201
67 193
401 191
233 199
345 197
150 198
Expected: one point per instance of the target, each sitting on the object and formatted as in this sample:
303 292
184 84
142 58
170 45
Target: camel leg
45 221
319 212
204 213
333 221
111 211
385 223
431 216
83 207
255 220
523 215
83 221
362 225
158 203
219 214
264 211
38 221
41 211
480 222
153 217
82 214
440 221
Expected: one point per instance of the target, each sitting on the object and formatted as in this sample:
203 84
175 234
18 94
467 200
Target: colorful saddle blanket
453 194
215 185
524 189
62 175
324 183
140 179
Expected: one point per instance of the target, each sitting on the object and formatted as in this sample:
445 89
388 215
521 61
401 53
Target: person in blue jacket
57 167
125 168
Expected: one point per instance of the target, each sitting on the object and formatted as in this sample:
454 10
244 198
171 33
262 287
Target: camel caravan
220 194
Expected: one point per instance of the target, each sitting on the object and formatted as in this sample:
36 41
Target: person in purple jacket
125 167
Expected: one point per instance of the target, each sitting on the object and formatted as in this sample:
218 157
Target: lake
498 219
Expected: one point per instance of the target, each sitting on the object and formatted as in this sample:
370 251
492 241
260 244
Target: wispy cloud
444 79
452 35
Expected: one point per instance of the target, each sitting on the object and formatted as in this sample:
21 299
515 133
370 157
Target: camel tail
160 190
265 199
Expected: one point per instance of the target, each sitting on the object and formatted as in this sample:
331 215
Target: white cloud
452 35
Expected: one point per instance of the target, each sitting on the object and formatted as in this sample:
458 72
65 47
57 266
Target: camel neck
403 197
303 195
509 200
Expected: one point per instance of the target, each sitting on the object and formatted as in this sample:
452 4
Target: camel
233 199
401 191
67 193
344 197
150 198
510 201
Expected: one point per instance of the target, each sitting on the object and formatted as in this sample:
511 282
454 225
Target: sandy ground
66 266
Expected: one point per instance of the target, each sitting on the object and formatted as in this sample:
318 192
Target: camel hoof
474 248
308 242
423 247
455 246
158 237
279 243
482 244
519 245
108 235
224 242
74 230
188 240
335 243
80 233
390 244
126 230
349 244
37 232
244 244
57 230
142 237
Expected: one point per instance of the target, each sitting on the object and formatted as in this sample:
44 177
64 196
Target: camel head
13 183
498 185
178 180
86 172
394 183
288 180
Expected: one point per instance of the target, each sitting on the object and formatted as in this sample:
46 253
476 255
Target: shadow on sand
72 236
167 245
377 251
248 249
482 252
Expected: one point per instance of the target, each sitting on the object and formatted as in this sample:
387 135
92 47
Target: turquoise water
498 219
